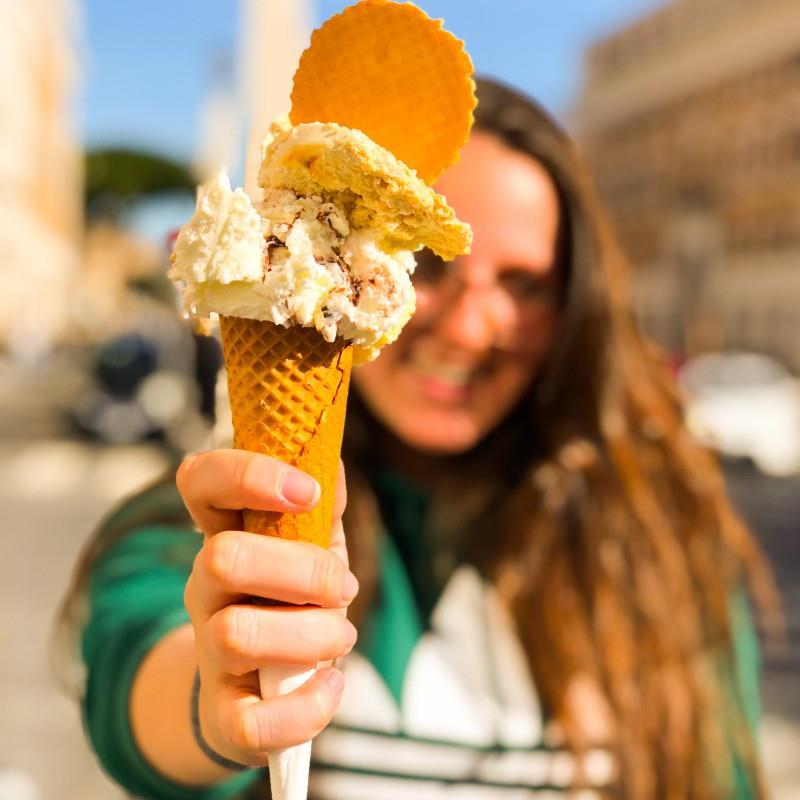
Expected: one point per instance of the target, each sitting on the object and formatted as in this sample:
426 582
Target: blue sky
147 64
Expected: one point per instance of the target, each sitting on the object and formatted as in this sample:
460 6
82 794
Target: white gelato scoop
331 245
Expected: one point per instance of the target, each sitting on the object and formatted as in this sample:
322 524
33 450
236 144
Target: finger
218 482
337 544
254 726
340 498
242 638
220 702
237 564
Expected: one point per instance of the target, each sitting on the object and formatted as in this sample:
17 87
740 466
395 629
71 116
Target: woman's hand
233 637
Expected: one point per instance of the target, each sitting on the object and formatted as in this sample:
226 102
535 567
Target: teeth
444 371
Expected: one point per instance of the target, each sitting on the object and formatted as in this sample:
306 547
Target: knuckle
245 730
273 726
236 640
233 635
324 576
321 710
223 557
189 597
250 476
197 563
338 631
183 473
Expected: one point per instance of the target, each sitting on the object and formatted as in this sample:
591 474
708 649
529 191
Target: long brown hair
615 546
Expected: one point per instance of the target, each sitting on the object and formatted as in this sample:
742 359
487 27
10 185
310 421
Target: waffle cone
288 394
390 71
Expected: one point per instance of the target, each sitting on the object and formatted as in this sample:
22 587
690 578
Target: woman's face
484 322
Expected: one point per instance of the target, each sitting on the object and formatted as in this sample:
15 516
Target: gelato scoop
330 246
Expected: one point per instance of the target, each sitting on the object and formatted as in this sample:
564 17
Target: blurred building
690 118
40 199
272 37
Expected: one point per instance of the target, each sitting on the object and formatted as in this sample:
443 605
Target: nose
465 321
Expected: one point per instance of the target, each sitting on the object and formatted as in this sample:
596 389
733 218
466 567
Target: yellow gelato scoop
377 191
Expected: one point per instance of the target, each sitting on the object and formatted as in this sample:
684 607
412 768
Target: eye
430 268
522 284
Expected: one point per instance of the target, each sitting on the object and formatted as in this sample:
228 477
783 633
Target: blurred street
53 490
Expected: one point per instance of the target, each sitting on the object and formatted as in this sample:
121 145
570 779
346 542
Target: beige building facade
690 119
40 174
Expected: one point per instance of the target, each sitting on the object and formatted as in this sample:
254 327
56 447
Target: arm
159 712
229 638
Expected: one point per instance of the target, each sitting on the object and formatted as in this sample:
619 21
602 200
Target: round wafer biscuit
390 71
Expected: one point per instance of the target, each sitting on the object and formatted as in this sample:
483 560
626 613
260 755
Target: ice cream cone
288 394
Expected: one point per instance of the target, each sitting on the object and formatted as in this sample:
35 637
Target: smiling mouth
443 381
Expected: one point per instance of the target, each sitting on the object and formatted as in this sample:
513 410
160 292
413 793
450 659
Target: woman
551 577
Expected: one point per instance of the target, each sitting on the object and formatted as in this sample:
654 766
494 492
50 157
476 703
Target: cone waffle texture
288 394
390 71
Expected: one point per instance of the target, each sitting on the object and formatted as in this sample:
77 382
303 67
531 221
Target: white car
745 405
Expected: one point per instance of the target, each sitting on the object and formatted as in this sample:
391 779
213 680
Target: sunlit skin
485 322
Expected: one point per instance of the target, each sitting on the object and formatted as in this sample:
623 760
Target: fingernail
298 489
350 638
335 680
350 589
